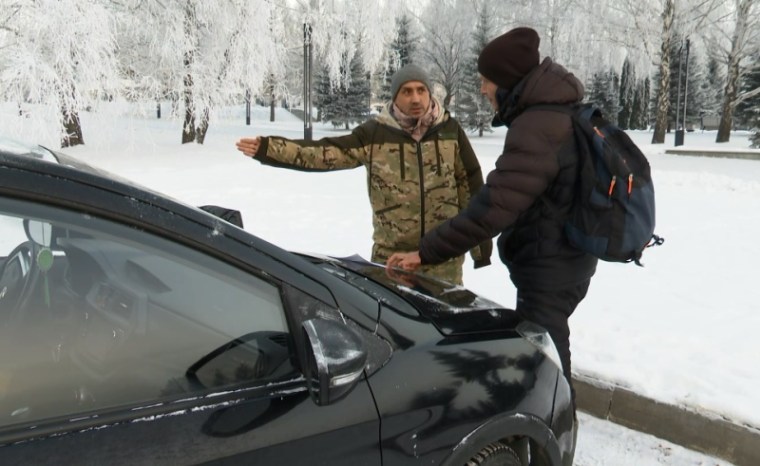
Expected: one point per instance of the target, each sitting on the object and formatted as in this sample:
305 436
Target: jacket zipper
422 190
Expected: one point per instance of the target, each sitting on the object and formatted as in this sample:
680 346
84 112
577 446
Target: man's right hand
249 146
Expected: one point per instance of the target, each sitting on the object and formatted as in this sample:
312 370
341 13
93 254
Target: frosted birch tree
737 41
652 23
207 54
342 29
446 43
58 55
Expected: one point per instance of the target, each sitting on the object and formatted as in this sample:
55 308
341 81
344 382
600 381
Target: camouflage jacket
413 186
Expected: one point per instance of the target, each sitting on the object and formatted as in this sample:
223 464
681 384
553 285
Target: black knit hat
410 72
507 59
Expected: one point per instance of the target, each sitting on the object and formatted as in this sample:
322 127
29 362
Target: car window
97 315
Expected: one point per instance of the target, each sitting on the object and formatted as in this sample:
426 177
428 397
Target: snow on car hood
452 308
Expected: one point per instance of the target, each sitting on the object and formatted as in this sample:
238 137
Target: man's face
413 98
488 89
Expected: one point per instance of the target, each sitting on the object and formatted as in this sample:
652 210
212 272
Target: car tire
495 454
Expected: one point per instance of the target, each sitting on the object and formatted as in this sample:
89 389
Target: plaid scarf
417 127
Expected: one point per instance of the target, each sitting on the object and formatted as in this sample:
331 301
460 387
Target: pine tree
640 106
685 68
346 101
322 91
748 111
711 88
626 95
475 112
604 91
399 53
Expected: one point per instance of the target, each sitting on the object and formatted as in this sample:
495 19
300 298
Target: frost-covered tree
626 95
651 25
401 51
604 91
683 86
204 54
474 110
342 29
710 88
447 43
748 110
640 108
58 54
347 101
662 106
740 31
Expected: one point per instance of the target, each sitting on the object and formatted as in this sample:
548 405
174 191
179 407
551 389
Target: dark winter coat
539 159
413 186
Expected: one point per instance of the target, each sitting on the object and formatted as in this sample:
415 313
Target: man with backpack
529 194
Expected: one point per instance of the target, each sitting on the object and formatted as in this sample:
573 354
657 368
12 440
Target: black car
135 329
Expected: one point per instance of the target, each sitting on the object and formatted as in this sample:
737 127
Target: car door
118 346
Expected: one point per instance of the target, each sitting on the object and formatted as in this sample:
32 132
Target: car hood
453 309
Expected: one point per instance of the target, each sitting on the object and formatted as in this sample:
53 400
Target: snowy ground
602 443
681 330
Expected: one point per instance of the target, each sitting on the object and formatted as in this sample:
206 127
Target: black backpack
613 214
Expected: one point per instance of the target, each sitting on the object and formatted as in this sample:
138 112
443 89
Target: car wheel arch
508 426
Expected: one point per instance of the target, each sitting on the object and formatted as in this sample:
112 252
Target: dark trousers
551 309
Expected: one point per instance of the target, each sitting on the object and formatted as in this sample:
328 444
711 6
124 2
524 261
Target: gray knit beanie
410 72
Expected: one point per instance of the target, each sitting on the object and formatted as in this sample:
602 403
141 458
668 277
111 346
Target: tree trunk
188 127
272 97
447 99
200 133
663 91
729 97
732 73
72 129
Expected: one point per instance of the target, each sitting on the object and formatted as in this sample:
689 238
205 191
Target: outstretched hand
249 146
409 261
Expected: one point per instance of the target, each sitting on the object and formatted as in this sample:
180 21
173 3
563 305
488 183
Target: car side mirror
335 360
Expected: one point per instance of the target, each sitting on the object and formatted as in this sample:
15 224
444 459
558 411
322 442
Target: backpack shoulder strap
568 109
578 111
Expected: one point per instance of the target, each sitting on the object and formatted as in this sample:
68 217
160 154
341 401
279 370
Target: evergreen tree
346 101
323 92
640 115
701 99
685 67
399 53
627 95
748 110
475 112
604 91
711 88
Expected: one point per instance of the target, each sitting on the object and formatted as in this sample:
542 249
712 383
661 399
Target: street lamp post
307 129
681 122
686 85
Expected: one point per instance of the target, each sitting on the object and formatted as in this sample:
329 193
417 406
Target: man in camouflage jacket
421 169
